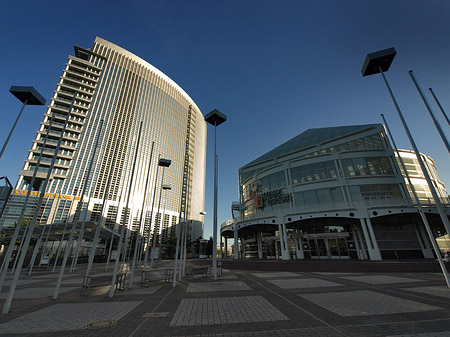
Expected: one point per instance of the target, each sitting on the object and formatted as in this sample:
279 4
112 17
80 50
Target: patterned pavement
227 310
240 303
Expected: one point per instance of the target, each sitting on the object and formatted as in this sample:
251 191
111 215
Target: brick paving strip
226 310
67 316
365 303
217 286
147 316
409 311
293 283
332 328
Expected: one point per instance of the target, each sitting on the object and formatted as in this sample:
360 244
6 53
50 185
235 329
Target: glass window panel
336 194
355 192
299 198
324 196
310 197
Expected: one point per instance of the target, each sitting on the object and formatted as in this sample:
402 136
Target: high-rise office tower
113 91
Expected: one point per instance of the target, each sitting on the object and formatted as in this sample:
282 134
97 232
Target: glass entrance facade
328 248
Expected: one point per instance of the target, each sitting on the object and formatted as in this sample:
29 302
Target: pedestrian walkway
240 303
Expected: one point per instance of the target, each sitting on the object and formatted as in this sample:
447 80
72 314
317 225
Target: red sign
257 201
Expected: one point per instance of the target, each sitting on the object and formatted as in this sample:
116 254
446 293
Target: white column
283 242
358 242
226 248
300 255
372 246
277 253
236 245
259 240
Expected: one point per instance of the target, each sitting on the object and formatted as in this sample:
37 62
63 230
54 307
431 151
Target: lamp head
380 59
215 117
164 162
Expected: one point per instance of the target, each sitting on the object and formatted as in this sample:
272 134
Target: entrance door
328 248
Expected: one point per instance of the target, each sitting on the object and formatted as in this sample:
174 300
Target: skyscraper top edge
146 64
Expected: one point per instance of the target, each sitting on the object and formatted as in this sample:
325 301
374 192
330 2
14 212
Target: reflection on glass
312 246
321 247
332 244
342 243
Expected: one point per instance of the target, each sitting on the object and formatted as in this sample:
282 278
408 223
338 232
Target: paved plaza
240 303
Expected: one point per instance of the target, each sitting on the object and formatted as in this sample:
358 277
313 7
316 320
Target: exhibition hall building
335 193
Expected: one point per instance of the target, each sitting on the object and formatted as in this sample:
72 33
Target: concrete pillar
259 240
226 248
277 252
371 242
299 254
236 245
285 255
360 249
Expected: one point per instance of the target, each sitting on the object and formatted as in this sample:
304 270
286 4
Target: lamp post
215 118
419 206
202 213
164 163
12 288
28 96
8 193
165 187
379 62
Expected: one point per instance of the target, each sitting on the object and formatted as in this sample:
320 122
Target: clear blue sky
276 68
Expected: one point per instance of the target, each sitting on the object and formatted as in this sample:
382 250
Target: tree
209 247
196 247
170 246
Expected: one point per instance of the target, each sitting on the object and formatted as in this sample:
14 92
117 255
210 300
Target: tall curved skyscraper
116 92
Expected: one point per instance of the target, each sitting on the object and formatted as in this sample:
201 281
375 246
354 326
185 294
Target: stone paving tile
37 292
380 279
102 290
47 276
68 316
441 291
308 332
137 290
276 274
365 303
226 310
228 277
429 334
217 286
21 282
335 273
73 281
303 283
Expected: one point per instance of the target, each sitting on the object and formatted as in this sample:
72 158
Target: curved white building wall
116 93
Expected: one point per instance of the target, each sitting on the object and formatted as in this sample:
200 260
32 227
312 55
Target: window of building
379 194
322 196
313 172
272 182
366 166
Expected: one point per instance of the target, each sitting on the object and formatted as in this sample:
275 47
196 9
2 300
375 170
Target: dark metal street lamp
163 163
28 96
215 118
379 62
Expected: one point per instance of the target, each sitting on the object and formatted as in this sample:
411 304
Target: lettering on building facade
48 195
